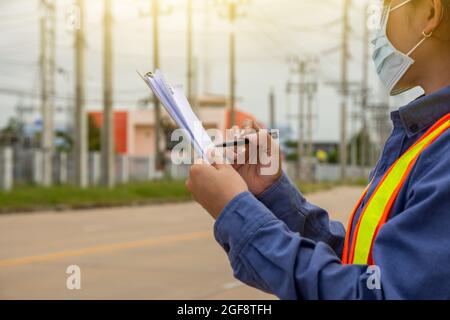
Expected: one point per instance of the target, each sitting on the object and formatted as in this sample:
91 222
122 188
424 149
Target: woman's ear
435 15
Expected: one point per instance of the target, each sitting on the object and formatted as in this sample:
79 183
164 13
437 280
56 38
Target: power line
344 89
25 21
35 95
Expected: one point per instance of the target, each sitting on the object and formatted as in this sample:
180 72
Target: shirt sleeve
289 205
266 254
411 251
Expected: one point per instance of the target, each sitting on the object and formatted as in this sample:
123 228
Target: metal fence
25 167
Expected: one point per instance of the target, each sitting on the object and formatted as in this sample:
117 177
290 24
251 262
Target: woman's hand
213 186
252 171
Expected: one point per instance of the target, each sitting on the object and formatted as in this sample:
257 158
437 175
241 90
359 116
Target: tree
11 134
64 141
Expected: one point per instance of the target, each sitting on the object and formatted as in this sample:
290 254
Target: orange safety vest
377 209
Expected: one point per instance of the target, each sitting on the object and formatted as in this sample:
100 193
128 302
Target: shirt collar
423 112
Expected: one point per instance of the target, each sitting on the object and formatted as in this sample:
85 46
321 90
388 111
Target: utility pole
47 68
155 18
365 91
344 90
206 61
232 15
272 109
299 67
155 12
190 69
311 89
232 68
107 148
301 118
80 115
354 116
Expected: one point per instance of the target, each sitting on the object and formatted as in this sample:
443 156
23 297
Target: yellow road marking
105 248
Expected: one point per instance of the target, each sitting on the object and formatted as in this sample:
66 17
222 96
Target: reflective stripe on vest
376 211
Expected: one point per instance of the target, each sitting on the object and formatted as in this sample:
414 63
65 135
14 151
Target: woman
397 244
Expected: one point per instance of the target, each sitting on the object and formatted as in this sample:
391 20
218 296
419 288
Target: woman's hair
446 18
446 6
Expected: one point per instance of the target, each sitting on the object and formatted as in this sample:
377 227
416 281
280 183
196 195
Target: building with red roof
134 130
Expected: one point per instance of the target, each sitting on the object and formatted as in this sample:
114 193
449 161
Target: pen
245 141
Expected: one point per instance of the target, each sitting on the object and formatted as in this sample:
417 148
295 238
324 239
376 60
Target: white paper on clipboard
176 104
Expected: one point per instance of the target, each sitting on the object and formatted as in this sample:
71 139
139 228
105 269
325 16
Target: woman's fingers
253 138
248 123
233 134
260 141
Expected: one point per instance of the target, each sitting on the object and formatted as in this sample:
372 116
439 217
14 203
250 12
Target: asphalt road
154 252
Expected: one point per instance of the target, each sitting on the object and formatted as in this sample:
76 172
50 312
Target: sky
267 34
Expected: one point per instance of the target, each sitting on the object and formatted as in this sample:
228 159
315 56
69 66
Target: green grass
34 198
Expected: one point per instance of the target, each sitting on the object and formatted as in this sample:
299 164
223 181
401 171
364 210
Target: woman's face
404 30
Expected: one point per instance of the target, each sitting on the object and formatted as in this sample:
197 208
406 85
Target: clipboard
177 106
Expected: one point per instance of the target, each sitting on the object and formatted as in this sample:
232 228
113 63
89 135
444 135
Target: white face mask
391 64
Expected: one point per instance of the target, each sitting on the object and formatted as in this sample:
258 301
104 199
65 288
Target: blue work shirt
282 244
